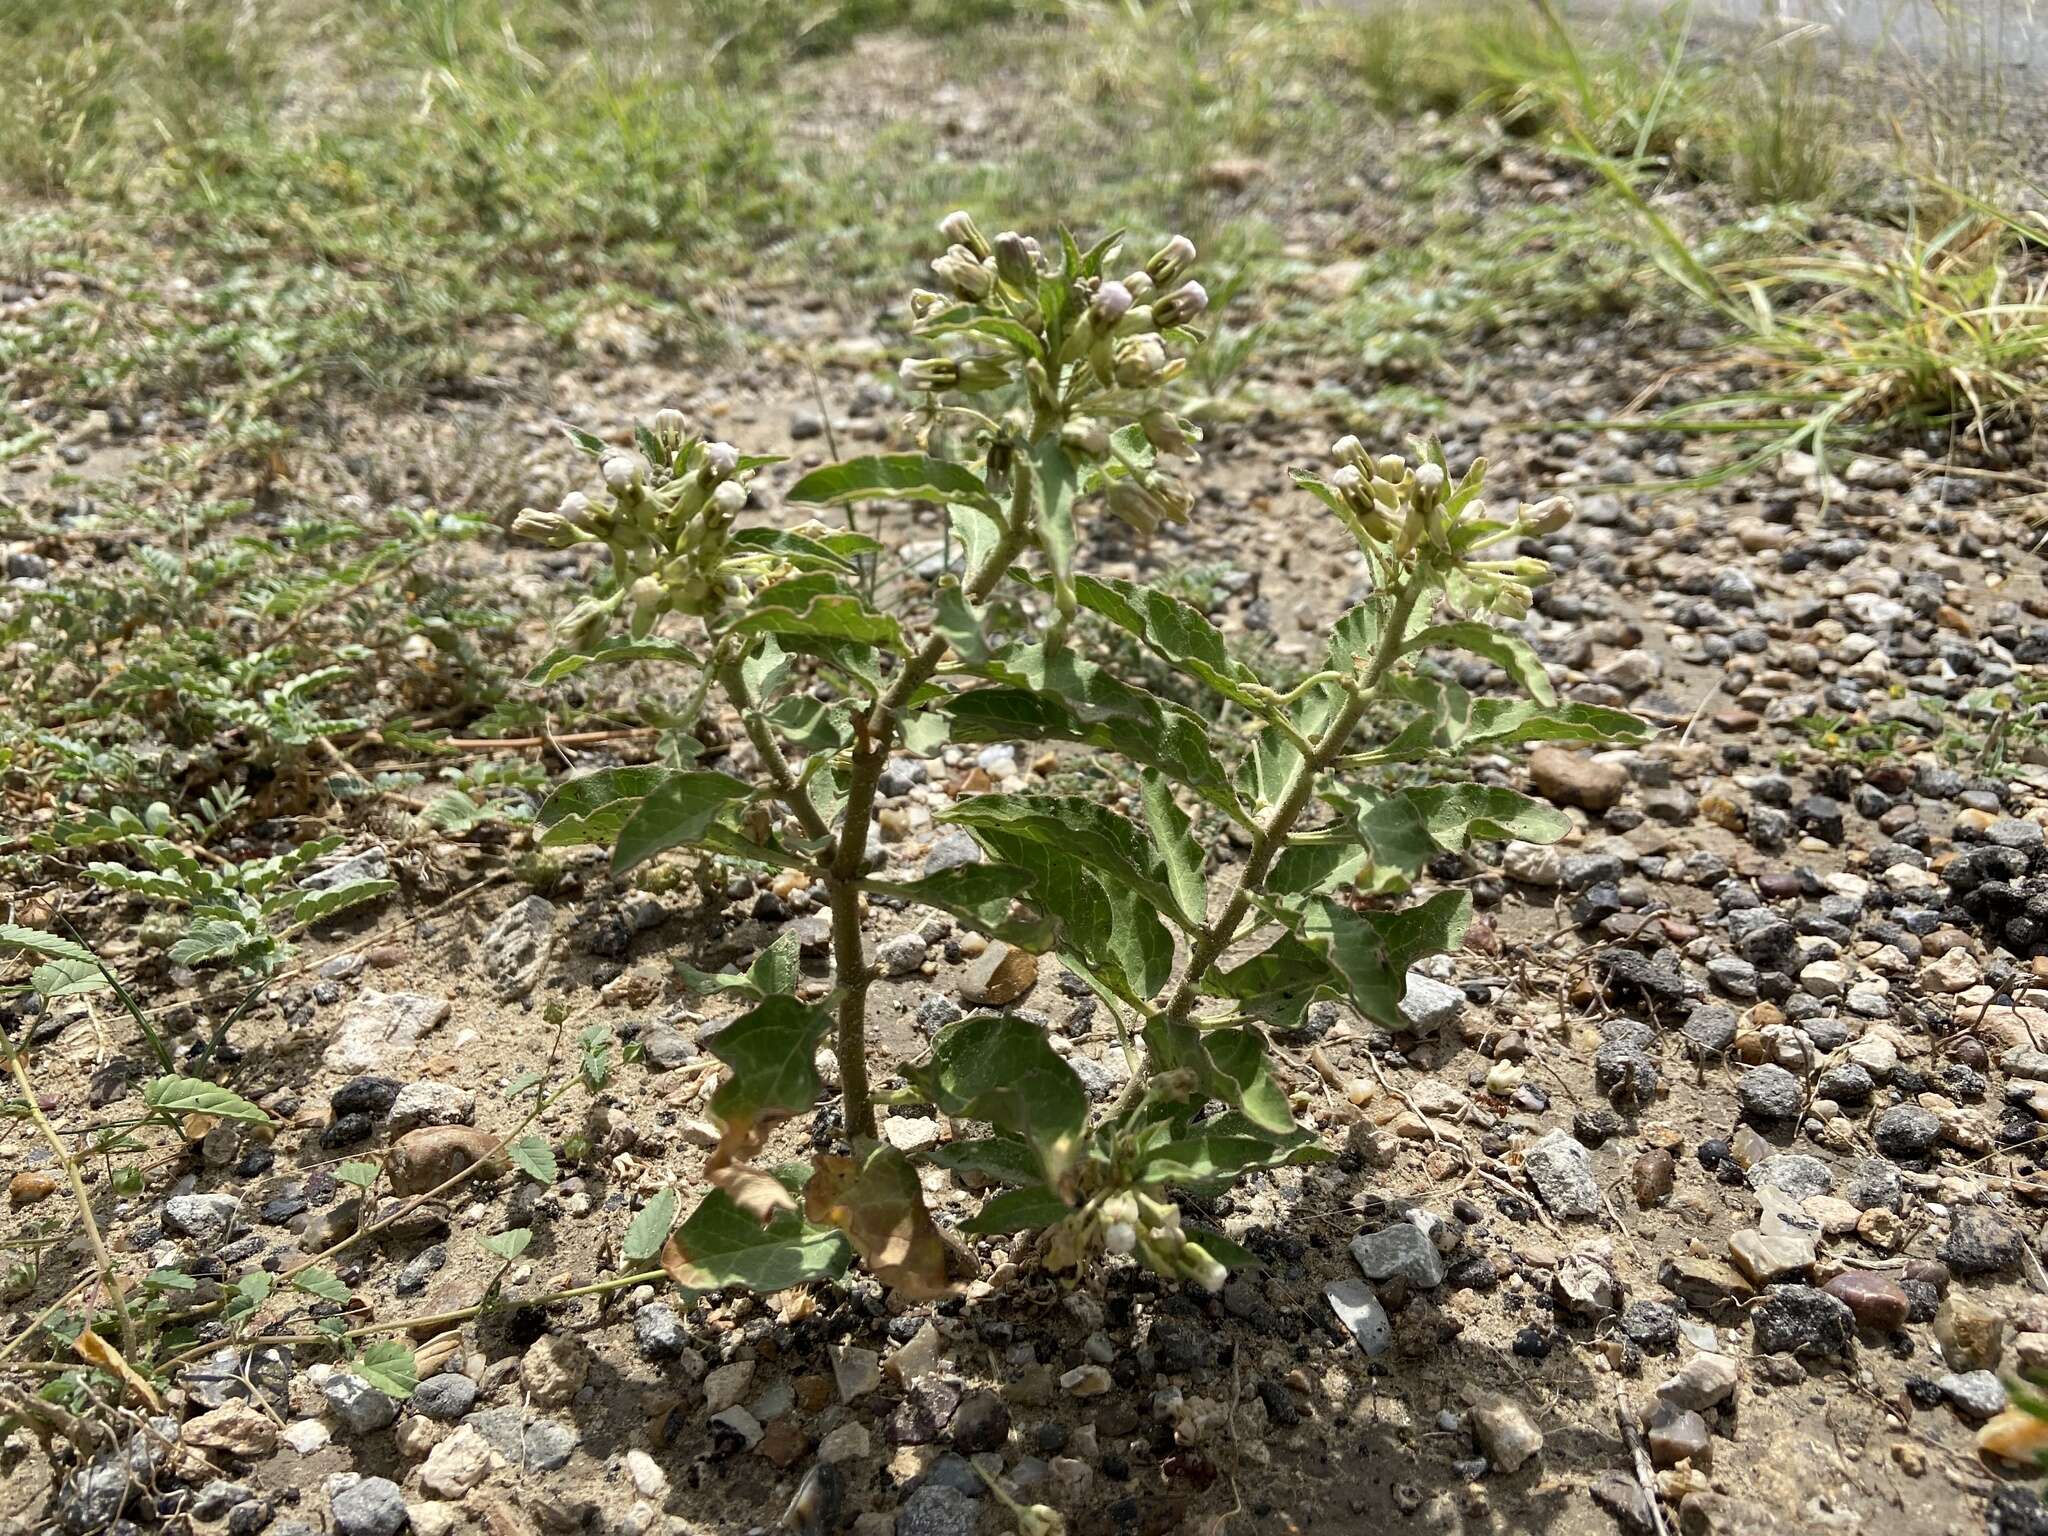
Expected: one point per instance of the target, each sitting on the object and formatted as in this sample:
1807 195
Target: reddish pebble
1878 1302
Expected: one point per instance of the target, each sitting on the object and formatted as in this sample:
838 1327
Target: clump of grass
1787 124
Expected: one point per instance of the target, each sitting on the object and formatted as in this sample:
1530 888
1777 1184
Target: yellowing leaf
879 1205
95 1350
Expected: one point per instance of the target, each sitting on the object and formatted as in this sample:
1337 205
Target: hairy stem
773 760
875 737
82 1199
1271 835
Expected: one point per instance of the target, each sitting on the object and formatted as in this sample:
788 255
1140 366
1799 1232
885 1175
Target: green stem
788 788
1270 836
875 737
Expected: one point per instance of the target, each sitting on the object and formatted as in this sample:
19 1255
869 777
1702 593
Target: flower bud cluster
666 514
1403 512
1131 1222
1089 368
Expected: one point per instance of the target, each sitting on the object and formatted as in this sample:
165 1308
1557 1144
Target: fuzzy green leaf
532 1156
893 476
1006 1159
677 813
1177 632
1513 656
35 942
1208 1158
720 1245
1374 950
1017 1210
983 896
614 651
323 1283
194 1096
1000 1069
388 1366
1228 1064
772 1050
1086 833
813 607
649 1229
67 978
507 1245
315 906
595 806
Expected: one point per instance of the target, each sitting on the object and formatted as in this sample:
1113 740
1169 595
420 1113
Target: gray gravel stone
370 1506
1769 1093
359 1406
1402 1250
444 1398
1562 1171
203 1218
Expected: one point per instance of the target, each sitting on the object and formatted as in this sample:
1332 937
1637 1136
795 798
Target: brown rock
1573 778
1651 1176
784 1444
234 1429
425 1159
1971 1335
1878 1302
1002 975
30 1188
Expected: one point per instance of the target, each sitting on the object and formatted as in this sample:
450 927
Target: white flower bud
1014 263
1346 480
668 426
1139 360
1180 306
1347 450
923 373
1204 1270
624 472
959 227
1170 260
1429 477
1111 303
1391 466
962 271
542 527
720 460
1141 285
1547 516
729 497
1119 1237
575 507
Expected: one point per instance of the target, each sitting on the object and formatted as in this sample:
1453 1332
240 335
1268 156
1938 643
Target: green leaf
983 896
1168 824
979 530
1374 950
361 1174
1516 722
532 1156
776 969
678 812
1006 1159
813 607
1086 833
1228 1064
1178 632
614 651
1116 931
772 1050
1355 637
1210 1158
388 1366
313 906
193 1096
1072 699
1054 525
894 476
720 1245
323 1283
596 806
1514 656
67 978
507 1245
48 945
1409 827
648 1230
1017 1210
835 550
1000 1069
1278 983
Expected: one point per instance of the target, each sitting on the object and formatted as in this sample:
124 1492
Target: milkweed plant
1044 401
